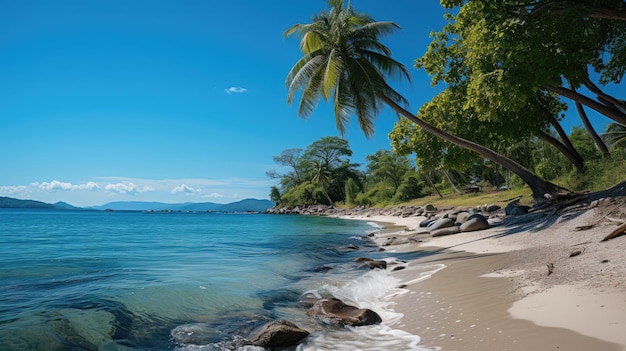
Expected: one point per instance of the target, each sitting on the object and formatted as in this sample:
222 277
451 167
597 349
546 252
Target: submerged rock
194 333
335 311
375 264
281 333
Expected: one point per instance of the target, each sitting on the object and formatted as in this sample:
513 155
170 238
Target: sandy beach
546 284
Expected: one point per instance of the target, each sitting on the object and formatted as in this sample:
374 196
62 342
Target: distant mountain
247 205
9 202
137 206
251 205
65 206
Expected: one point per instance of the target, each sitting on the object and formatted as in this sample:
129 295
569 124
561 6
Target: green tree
615 135
290 158
322 177
344 60
388 166
275 195
352 191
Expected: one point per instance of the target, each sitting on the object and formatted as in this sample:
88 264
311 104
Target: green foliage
411 188
583 142
275 195
352 191
599 174
615 136
301 194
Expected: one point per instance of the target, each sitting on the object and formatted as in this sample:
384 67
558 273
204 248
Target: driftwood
619 231
591 225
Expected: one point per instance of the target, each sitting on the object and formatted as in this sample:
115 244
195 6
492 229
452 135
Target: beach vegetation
344 62
508 71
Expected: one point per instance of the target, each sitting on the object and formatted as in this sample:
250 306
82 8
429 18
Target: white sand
585 293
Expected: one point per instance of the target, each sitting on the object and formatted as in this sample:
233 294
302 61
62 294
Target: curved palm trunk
330 201
539 186
430 182
617 103
456 190
610 112
563 149
596 138
565 145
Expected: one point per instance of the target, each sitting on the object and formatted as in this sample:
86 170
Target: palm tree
321 177
344 60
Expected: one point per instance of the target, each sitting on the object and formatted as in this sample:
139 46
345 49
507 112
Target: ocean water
89 280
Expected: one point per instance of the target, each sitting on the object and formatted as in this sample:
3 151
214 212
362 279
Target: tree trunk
596 138
451 182
579 161
563 149
330 201
612 113
617 103
540 187
430 181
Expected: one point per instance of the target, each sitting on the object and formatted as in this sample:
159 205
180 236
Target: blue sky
172 101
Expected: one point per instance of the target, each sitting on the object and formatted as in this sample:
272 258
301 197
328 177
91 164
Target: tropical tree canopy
344 60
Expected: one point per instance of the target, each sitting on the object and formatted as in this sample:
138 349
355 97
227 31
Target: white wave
375 225
373 290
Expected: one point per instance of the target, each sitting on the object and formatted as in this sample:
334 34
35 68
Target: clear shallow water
124 280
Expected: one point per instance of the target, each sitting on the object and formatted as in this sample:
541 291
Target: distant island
246 205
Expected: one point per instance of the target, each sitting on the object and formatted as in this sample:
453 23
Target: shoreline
496 293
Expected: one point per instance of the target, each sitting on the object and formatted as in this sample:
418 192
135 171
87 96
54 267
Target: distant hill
252 205
8 202
65 206
247 205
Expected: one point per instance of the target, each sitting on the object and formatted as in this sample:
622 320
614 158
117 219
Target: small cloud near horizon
185 189
238 90
58 185
127 188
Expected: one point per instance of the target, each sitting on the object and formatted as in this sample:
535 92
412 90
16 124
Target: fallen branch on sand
621 230
591 225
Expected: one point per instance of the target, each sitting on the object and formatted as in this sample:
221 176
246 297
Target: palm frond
343 104
298 77
332 71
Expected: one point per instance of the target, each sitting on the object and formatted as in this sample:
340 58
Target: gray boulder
334 311
445 231
475 222
441 223
492 208
461 217
375 264
516 209
280 333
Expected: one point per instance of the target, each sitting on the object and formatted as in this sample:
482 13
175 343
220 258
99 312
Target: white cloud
238 90
14 189
64 186
184 188
127 188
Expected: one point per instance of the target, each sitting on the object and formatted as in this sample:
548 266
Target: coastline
495 292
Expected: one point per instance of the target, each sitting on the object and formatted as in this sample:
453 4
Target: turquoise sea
91 280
